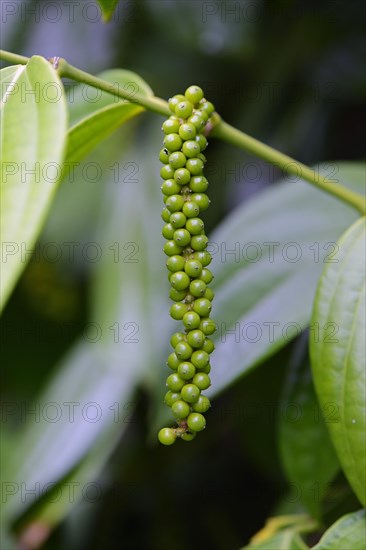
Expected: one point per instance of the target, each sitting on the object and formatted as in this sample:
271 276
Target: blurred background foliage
290 73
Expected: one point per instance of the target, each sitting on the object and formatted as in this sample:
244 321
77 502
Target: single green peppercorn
190 209
208 346
197 120
195 226
176 263
206 275
170 187
191 320
171 248
182 176
164 156
173 361
193 268
183 351
178 220
177 295
167 436
166 215
177 310
186 370
195 166
202 141
199 242
184 109
201 199
209 294
196 422
187 131
197 288
201 380
195 338
174 382
182 237
208 326
191 148
190 393
168 231
194 94
177 160
170 126
198 184
202 114
167 172
174 204
180 280
202 306
202 405
200 359
207 107
180 409
172 142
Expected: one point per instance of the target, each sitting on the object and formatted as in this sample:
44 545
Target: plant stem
13 58
220 130
151 103
289 165
64 69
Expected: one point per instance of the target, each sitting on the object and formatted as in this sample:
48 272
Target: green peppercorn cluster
184 190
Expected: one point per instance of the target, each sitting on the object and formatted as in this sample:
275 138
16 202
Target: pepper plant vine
218 129
335 367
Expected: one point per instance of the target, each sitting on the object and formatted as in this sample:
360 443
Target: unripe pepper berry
195 226
194 94
193 268
186 370
190 393
196 422
167 436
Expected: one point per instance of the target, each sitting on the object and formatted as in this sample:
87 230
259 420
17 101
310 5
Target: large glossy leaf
108 7
307 454
348 532
34 121
268 256
97 115
86 398
339 363
266 302
104 369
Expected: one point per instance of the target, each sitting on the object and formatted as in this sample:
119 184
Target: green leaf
348 532
82 413
266 300
282 533
34 120
108 7
99 118
127 295
338 363
287 539
307 454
